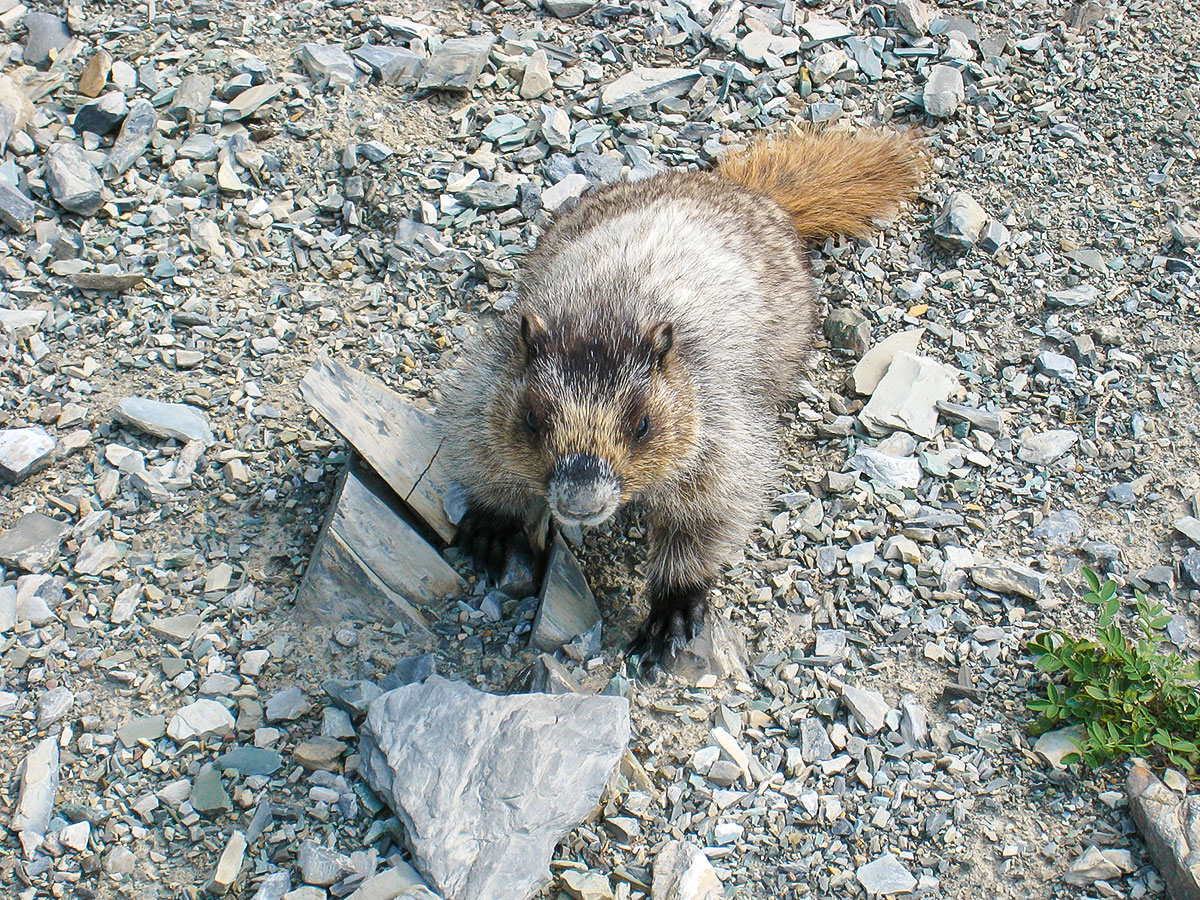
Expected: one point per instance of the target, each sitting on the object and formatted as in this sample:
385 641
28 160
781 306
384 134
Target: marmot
657 327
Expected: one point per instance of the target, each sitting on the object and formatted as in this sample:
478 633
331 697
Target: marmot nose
580 467
583 487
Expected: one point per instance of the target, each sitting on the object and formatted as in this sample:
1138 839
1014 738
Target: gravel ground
376 222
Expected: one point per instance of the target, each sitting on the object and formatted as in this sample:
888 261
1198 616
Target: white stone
199 719
907 396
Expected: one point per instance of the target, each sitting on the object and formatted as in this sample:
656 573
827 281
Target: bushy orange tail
832 182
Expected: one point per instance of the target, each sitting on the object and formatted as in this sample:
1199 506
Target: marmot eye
643 428
531 420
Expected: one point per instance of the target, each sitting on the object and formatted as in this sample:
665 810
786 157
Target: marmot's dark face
596 414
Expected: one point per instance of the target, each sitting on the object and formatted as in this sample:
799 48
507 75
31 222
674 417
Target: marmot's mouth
589 521
583 490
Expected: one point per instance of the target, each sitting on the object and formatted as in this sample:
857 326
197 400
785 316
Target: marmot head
593 412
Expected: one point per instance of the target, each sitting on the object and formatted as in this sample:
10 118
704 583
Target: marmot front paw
488 536
676 616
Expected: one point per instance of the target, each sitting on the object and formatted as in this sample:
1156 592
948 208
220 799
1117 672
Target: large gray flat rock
485 785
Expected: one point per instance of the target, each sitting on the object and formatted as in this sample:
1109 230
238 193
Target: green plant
1131 696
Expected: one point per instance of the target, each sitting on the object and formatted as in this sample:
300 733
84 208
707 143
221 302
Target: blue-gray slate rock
487 785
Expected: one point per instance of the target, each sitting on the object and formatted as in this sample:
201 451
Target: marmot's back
690 248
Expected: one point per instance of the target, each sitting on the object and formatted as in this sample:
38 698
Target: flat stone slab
1008 578
869 370
487 785
906 398
644 86
39 784
165 420
457 64
199 719
566 607
33 543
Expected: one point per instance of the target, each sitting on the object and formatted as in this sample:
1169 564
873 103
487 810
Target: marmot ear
662 338
533 333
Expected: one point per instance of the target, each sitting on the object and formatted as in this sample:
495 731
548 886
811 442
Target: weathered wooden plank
398 440
369 563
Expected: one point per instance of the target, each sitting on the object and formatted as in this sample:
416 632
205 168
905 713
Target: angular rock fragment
46 34
1055 746
907 396
327 61
399 441
943 92
39 784
486 785
914 16
199 719
370 563
1170 825
165 420
33 543
107 281
23 451
392 65
885 876
102 115
74 183
321 866
848 329
249 101
16 210
457 64
893 471
95 73
1009 578
979 418
644 86
868 707
1063 528
567 9
536 80
548 676
566 606
136 131
193 96
1042 449
869 370
1090 866
229 866
1188 526
960 223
